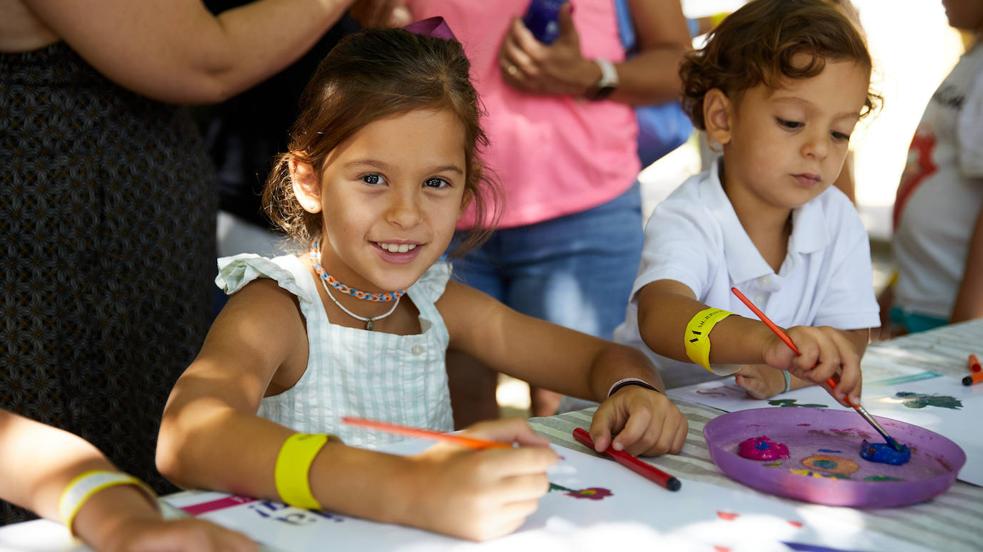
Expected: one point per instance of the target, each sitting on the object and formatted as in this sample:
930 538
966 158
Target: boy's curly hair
761 43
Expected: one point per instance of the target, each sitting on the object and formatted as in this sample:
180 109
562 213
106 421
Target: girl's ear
306 185
718 116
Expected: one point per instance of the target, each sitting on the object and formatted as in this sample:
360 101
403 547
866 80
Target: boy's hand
481 494
645 421
760 381
824 353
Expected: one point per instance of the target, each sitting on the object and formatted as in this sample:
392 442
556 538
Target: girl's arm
665 307
969 301
539 352
38 462
177 51
546 355
211 438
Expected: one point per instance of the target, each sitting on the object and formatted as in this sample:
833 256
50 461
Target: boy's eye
785 123
372 178
435 182
840 136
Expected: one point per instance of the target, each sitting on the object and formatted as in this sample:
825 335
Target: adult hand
557 69
645 422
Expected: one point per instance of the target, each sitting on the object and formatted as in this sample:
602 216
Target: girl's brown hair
370 75
758 43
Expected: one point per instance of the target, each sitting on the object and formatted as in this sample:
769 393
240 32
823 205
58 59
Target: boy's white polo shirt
695 237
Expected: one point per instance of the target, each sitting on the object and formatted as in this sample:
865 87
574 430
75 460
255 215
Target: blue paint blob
884 453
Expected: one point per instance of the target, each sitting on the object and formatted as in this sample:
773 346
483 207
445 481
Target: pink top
553 155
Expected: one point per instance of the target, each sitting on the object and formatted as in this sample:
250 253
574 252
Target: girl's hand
157 535
557 69
481 494
645 421
760 381
824 353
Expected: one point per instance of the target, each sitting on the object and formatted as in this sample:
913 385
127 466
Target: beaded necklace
328 281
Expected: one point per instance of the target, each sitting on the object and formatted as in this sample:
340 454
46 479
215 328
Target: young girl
383 159
779 86
63 477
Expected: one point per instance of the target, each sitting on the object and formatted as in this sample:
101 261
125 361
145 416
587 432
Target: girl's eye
372 178
791 125
840 136
435 182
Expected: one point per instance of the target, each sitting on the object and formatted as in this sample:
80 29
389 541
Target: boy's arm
665 307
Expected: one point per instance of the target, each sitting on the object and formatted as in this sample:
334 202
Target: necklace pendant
369 324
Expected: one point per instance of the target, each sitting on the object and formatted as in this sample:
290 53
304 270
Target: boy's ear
306 185
718 116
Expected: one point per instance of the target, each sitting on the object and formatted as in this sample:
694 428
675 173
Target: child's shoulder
288 271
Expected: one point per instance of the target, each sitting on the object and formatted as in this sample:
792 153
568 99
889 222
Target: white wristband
85 485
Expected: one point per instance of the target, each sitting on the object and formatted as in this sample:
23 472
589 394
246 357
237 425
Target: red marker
974 363
644 469
973 378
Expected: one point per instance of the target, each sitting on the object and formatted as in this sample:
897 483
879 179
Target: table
951 522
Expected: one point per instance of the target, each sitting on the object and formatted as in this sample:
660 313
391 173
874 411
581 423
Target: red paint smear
796 524
221 503
719 548
728 516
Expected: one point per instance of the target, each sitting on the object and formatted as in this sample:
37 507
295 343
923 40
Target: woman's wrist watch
606 84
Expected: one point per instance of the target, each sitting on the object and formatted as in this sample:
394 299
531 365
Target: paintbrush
857 407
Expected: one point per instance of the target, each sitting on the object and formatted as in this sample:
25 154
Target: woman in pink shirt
562 135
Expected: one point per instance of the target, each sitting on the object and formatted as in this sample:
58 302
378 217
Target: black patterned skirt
107 214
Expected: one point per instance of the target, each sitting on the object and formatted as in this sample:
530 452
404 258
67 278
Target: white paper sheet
698 517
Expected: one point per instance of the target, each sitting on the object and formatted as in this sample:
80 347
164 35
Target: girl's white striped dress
354 372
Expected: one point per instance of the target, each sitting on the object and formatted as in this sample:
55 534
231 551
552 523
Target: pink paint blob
762 448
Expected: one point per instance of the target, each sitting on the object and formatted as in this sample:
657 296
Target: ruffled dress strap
287 271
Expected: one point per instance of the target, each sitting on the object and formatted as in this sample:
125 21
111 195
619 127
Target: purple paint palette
825 466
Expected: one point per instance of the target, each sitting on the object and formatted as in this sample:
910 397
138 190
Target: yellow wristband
293 467
86 484
697 338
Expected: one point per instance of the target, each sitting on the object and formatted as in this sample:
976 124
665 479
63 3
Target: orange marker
973 378
974 363
471 442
